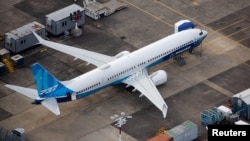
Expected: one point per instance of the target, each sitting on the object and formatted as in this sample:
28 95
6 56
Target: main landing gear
191 51
180 60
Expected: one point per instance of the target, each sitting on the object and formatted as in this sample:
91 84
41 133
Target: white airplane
125 67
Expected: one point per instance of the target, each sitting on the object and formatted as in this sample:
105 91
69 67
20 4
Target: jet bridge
96 10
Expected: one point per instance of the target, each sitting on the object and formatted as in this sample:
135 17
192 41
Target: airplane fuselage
131 63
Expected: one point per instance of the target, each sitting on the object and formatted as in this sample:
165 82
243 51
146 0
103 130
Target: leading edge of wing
94 58
144 84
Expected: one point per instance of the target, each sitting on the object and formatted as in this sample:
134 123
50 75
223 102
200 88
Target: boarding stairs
9 64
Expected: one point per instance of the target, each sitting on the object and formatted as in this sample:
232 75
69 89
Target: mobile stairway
8 63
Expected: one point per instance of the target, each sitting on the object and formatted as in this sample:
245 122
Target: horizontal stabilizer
31 93
51 104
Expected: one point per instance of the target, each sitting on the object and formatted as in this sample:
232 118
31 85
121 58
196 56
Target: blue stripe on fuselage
81 95
175 53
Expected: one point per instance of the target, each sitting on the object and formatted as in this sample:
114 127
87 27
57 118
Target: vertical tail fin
47 85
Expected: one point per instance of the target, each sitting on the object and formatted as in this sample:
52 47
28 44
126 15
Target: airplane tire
191 51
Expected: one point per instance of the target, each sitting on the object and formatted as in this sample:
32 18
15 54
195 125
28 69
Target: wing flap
144 84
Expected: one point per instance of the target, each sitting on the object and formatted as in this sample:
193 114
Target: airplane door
73 96
103 81
196 42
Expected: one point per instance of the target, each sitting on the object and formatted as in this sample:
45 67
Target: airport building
22 38
64 19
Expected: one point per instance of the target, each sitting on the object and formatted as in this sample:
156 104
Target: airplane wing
144 84
94 58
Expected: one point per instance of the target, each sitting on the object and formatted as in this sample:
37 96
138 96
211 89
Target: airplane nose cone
205 32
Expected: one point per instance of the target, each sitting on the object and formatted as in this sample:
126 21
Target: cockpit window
201 33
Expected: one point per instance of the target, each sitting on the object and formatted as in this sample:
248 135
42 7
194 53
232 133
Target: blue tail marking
47 85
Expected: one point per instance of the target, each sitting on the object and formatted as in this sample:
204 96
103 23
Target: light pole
75 17
120 120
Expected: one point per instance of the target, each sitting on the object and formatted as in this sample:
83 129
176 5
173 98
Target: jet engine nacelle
159 77
123 53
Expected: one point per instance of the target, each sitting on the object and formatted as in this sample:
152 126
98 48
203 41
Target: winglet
164 110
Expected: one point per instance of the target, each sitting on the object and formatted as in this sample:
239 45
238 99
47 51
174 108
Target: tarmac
217 70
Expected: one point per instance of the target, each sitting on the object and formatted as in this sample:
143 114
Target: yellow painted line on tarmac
144 11
212 41
217 31
172 9
228 37
238 31
223 36
243 39
195 3
231 24
200 24
162 4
